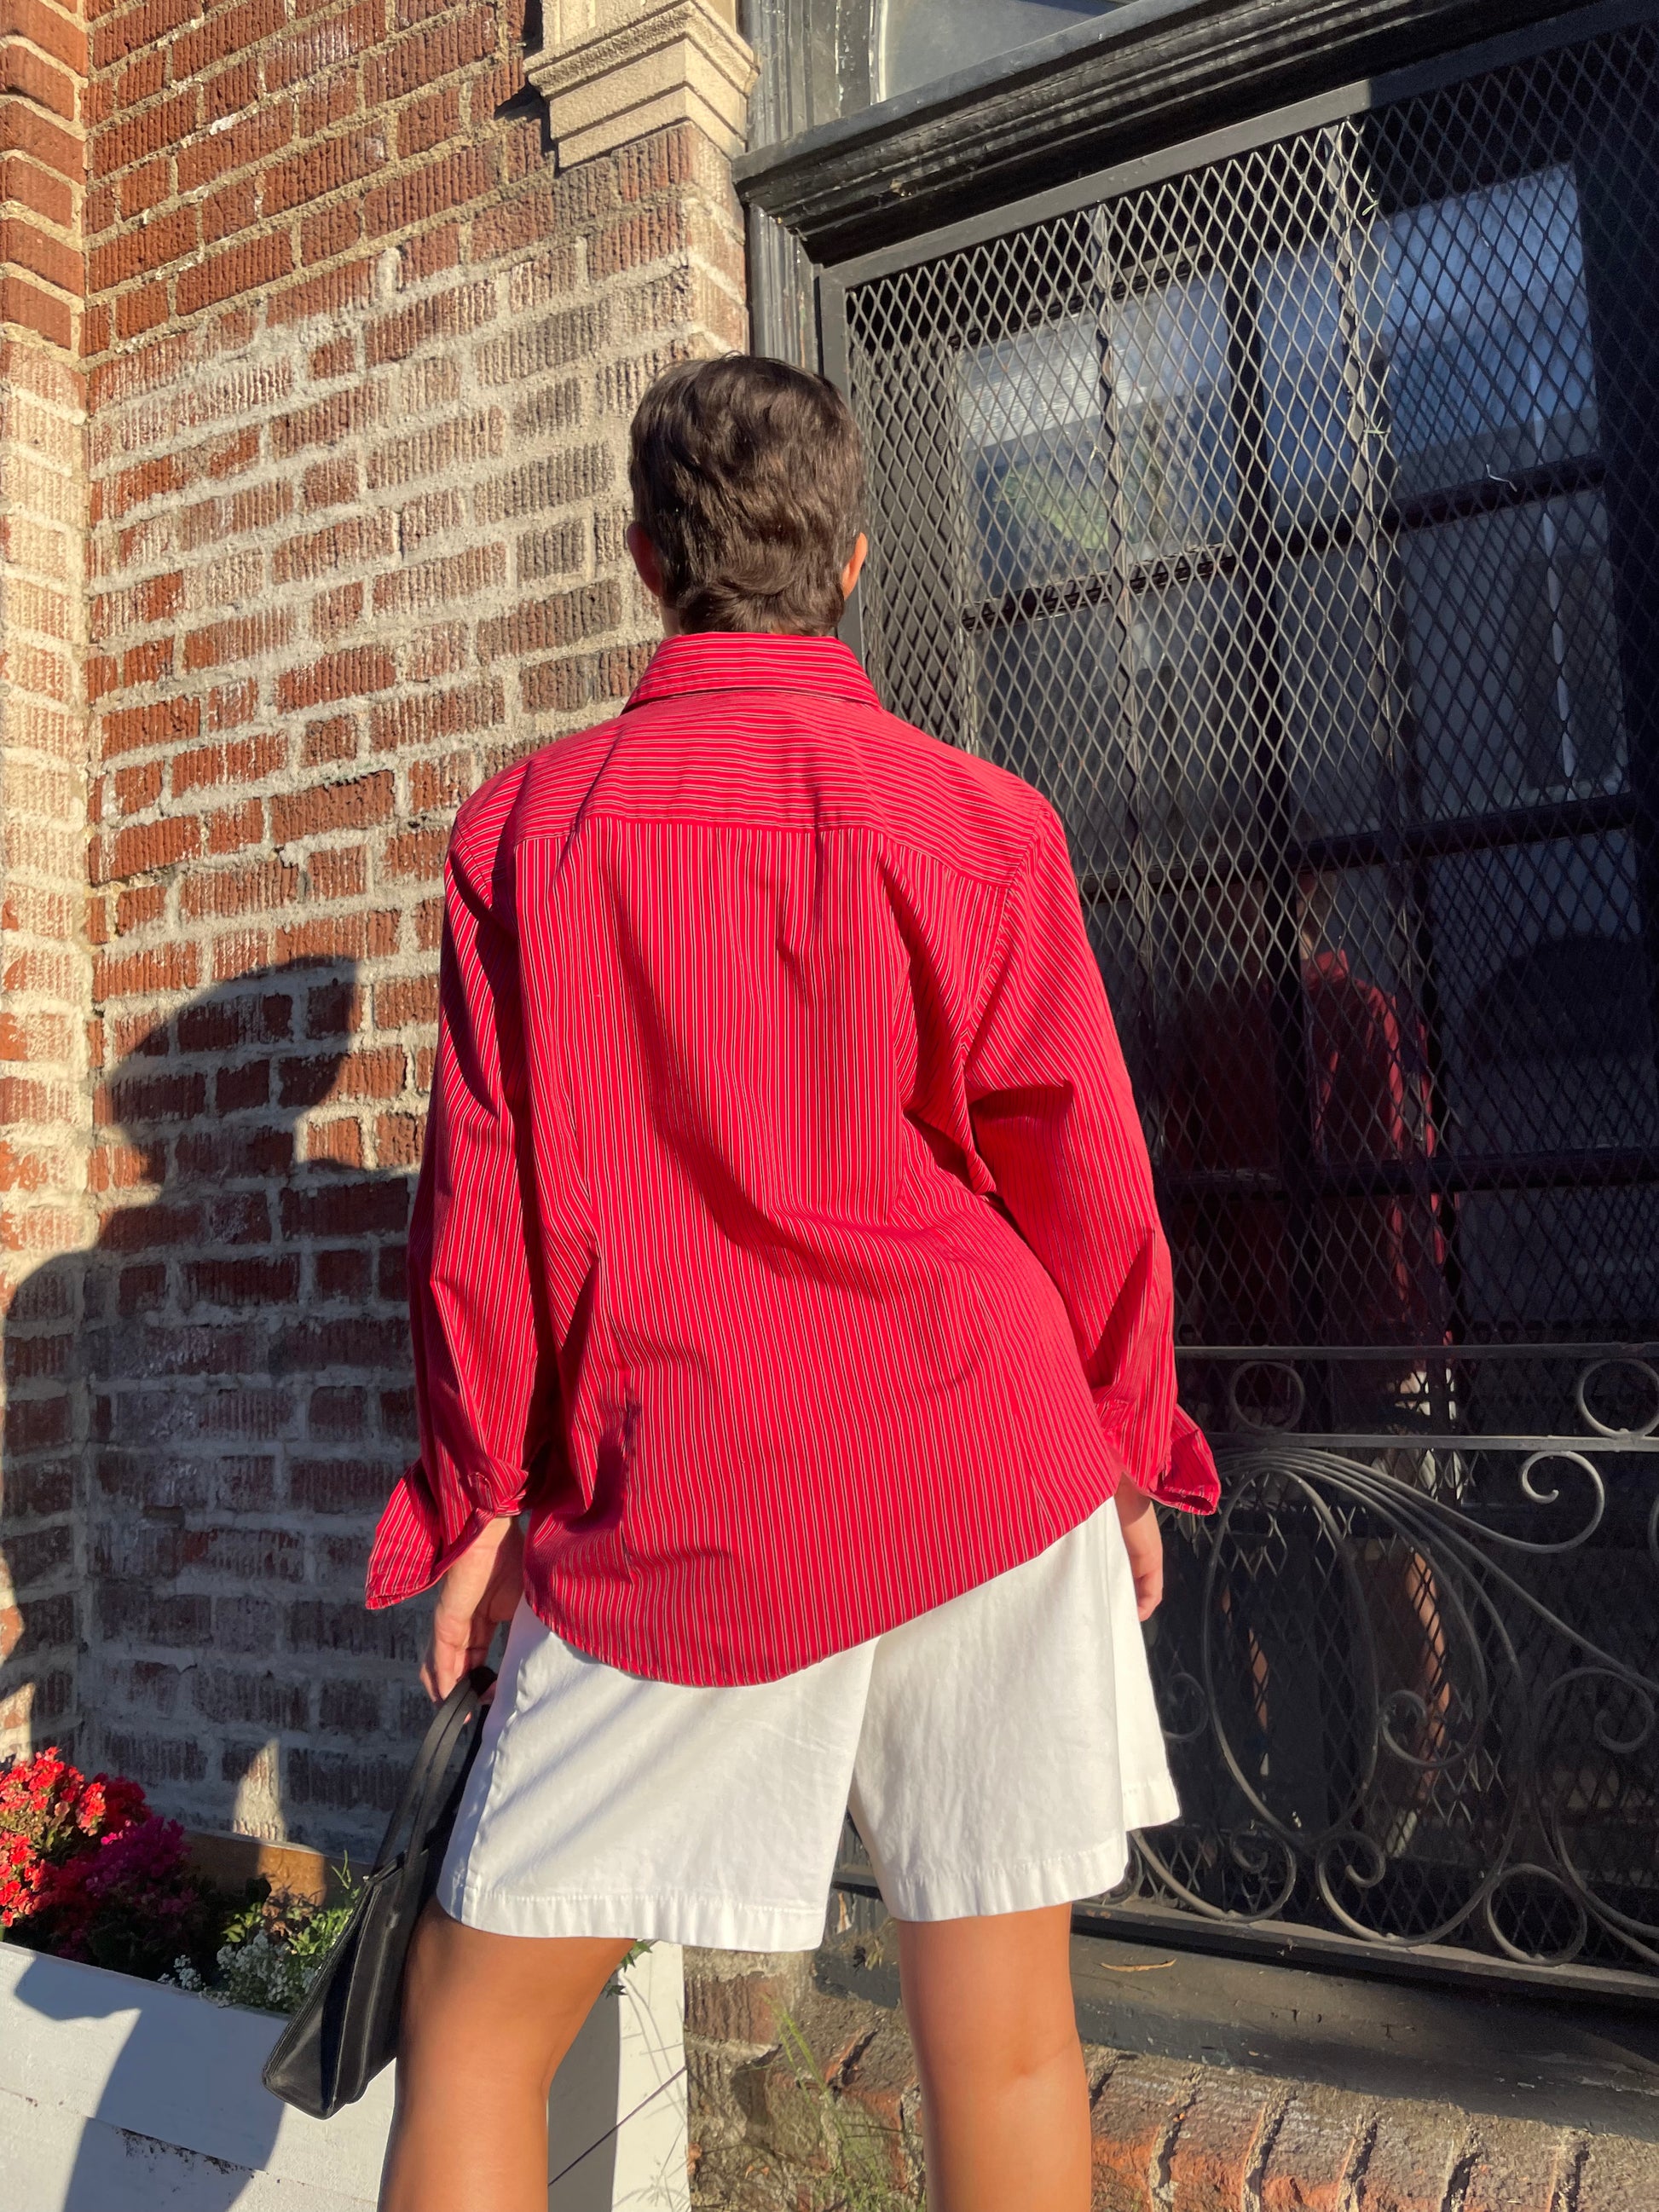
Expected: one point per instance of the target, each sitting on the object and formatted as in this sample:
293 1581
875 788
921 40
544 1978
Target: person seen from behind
793 1350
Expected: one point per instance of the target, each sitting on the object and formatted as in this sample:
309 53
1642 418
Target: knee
989 2047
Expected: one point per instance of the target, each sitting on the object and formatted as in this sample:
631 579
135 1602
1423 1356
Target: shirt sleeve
1054 1120
483 1376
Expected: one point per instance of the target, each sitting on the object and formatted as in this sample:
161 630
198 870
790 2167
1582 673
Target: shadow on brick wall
229 1369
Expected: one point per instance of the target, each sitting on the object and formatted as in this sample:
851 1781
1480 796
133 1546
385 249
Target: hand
1138 1519
481 1589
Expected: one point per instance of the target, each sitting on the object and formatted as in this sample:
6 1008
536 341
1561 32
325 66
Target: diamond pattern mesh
1294 524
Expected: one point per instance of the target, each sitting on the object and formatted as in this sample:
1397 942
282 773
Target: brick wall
44 976
44 970
803 2100
359 364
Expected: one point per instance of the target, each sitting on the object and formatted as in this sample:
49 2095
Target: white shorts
995 1753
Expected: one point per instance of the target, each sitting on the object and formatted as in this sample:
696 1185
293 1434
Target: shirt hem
625 1654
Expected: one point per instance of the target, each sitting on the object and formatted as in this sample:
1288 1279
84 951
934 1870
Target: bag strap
421 1791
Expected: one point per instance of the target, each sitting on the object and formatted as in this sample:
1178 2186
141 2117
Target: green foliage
273 1946
860 2179
614 1989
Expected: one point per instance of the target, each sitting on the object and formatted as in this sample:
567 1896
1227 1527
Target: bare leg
1005 2099
486 2021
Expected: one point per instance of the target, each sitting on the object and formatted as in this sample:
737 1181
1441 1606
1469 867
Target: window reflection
917 41
1271 543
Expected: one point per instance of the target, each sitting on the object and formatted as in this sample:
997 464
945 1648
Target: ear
643 554
851 573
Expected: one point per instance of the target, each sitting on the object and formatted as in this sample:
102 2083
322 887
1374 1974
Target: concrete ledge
613 70
1228 2115
118 2095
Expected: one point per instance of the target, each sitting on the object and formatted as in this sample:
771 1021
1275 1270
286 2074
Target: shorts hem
1023 1885
703 1923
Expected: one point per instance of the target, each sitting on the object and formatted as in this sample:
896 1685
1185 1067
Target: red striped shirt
785 1241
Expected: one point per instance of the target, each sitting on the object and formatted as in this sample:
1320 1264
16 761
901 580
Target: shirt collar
752 661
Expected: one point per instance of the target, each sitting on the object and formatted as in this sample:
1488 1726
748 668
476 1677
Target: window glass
917 41
1486 332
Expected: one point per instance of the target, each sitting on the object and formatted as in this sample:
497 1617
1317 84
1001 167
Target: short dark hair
748 479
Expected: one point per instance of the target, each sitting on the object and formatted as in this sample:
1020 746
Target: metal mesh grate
1294 524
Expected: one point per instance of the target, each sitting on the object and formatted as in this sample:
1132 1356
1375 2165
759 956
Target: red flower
79 1856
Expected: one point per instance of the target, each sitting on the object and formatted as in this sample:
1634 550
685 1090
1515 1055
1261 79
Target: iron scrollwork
1410 1682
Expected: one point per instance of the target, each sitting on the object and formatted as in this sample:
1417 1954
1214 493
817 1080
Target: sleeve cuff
412 1550
1190 1482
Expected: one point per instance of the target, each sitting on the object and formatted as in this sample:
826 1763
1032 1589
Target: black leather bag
346 2030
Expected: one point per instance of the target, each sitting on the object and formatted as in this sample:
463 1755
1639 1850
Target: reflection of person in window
1380 1278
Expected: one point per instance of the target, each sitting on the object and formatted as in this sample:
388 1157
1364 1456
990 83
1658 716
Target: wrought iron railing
1292 519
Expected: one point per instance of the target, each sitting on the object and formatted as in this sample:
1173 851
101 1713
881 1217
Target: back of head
748 479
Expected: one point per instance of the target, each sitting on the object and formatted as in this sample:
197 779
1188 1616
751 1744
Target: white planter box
118 2095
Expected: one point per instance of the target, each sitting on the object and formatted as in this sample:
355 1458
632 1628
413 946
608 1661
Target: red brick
27 247
433 121
168 722
418 854
237 826
445 315
165 968
234 207
137 908
247 267
333 230
229 705
233 92
149 846
243 638
337 873
331 483
335 357
564 619
1134 2114
55 32
327 100
329 806
225 892
334 612
397 1140
321 168
125 31
417 195
253 137
428 717
23 70
234 515
422 59
343 545
325 421
1618 2175
228 31
334 739
338 38
136 788
1315 2148
439 783
229 455
457 576
339 1140
1517 2165
155 130
25 303
1217 2147
33 186
409 1000
24 129
340 937
351 674
429 253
